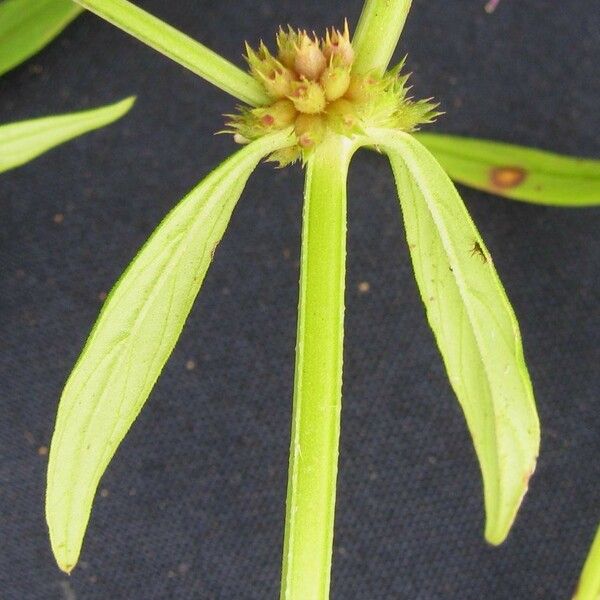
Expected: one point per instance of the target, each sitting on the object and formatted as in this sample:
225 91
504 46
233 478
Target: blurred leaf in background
517 172
26 26
23 141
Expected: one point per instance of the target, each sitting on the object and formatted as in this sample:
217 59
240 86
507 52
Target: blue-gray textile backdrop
193 504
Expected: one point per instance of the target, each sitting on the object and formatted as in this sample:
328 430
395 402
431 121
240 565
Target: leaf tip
65 558
126 104
66 567
497 529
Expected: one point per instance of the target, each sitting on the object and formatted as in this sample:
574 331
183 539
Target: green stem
317 391
179 47
377 33
589 583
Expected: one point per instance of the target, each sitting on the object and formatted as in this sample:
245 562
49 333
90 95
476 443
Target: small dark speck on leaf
476 250
506 178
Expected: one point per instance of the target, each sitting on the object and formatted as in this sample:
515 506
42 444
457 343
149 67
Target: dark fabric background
193 504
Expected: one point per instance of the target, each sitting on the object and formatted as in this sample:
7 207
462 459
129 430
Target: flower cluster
314 89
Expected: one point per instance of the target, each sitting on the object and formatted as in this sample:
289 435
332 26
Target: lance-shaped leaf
474 325
589 582
517 172
26 26
179 47
131 341
23 141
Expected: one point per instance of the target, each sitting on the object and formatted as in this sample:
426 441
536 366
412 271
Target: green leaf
131 341
318 378
589 582
517 172
23 141
474 325
181 48
26 26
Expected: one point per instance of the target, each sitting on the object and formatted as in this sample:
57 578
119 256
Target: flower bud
278 81
286 44
342 116
337 45
310 130
361 88
309 61
335 80
279 115
257 59
308 96
275 77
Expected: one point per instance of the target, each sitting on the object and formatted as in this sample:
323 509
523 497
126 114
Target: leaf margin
67 547
65 12
398 145
23 141
538 176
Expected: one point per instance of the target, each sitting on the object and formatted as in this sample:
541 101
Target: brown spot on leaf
506 178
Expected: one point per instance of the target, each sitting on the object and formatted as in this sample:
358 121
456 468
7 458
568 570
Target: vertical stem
179 47
377 33
314 444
